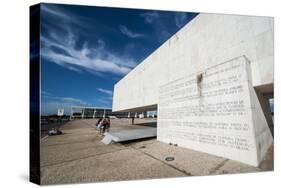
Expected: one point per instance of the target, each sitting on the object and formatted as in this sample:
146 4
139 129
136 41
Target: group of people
103 125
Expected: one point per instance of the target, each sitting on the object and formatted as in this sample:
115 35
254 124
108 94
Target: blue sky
85 50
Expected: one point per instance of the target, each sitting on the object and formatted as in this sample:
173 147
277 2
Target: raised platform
126 135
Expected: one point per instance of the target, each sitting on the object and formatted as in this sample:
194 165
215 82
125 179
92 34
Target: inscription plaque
212 114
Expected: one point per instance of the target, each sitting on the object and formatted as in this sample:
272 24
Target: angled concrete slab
127 135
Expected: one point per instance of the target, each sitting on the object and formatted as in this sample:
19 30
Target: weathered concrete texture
221 117
193 163
125 164
204 81
232 167
268 163
208 40
66 159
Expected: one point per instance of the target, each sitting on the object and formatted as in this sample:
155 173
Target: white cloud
180 19
45 93
74 69
150 17
48 108
108 92
159 25
72 100
106 100
59 13
51 103
98 60
93 60
129 33
66 100
53 11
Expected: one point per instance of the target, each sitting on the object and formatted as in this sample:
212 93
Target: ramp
126 135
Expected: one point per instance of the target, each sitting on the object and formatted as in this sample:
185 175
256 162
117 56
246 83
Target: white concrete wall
207 40
220 115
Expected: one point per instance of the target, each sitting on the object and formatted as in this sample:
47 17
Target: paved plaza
79 156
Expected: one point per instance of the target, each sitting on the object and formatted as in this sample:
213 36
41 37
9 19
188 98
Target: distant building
82 112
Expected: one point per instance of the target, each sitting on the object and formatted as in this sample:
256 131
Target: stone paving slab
61 153
190 161
233 167
79 156
127 164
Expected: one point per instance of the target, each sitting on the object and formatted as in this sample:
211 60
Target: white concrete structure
207 43
126 135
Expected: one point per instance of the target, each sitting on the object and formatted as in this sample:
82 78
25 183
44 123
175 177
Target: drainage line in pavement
82 158
216 168
183 171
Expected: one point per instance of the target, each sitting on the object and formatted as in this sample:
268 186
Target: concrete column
94 114
71 113
83 113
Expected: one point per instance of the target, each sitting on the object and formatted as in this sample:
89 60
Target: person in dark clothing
103 126
107 124
98 122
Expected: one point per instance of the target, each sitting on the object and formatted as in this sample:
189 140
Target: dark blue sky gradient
85 50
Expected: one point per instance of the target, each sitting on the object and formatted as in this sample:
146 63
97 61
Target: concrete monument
209 84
